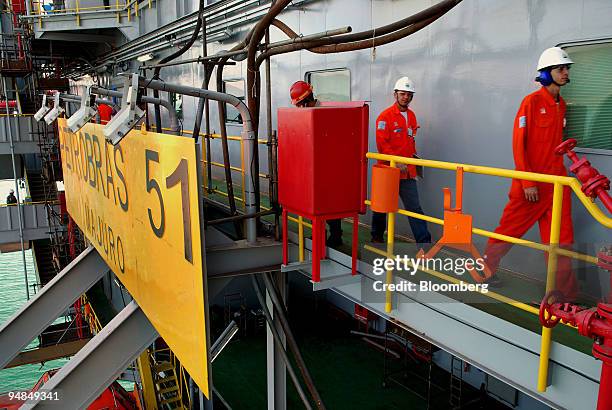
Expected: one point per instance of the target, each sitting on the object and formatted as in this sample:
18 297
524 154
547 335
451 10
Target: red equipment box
322 168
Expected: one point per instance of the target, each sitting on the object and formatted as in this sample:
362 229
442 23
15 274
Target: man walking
396 129
538 129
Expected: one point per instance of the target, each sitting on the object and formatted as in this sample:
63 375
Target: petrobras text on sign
137 203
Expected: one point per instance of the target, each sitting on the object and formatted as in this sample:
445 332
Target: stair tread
165 380
171 400
163 367
171 389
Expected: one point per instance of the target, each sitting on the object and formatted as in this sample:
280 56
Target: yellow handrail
571 182
552 248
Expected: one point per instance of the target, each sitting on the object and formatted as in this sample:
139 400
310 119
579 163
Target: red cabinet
321 158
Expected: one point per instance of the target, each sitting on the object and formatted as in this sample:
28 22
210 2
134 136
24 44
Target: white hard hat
12 191
404 84
553 56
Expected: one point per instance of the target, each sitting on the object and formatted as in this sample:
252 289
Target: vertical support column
9 129
251 176
390 251
323 239
555 232
300 238
316 249
204 402
285 238
276 369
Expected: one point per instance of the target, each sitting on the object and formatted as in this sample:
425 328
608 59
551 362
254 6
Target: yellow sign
137 203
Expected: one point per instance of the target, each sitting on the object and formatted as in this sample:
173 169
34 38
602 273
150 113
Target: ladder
167 386
456 380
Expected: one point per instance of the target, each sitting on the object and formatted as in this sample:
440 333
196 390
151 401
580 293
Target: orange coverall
396 137
538 129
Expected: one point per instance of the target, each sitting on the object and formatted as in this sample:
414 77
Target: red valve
566 147
593 183
593 323
546 318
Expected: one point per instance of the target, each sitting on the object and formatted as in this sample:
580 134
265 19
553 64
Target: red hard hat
299 91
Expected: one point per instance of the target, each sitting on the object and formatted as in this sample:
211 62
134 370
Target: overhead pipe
253 80
344 47
186 46
77 99
294 38
277 338
174 123
248 136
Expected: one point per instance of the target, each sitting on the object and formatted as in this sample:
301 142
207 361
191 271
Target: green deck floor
346 371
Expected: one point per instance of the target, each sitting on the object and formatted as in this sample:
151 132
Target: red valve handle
566 146
547 320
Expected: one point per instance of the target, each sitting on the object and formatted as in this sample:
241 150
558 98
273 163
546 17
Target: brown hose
253 84
323 46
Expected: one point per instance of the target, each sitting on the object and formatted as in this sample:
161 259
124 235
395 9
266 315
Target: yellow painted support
204 170
301 238
146 377
40 14
390 252
506 173
136 8
555 232
129 13
150 4
118 12
78 16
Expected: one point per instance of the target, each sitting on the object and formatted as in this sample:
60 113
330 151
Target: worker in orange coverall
396 129
538 129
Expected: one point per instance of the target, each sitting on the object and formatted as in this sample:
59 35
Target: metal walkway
498 347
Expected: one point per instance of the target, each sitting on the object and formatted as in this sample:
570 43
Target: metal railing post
390 253
551 273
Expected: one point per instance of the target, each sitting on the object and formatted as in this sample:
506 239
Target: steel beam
47 305
239 257
44 354
100 362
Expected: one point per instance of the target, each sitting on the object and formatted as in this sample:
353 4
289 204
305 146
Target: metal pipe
551 272
271 138
248 136
77 99
174 123
329 45
240 217
253 80
295 38
225 150
179 52
185 23
278 340
19 204
279 308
